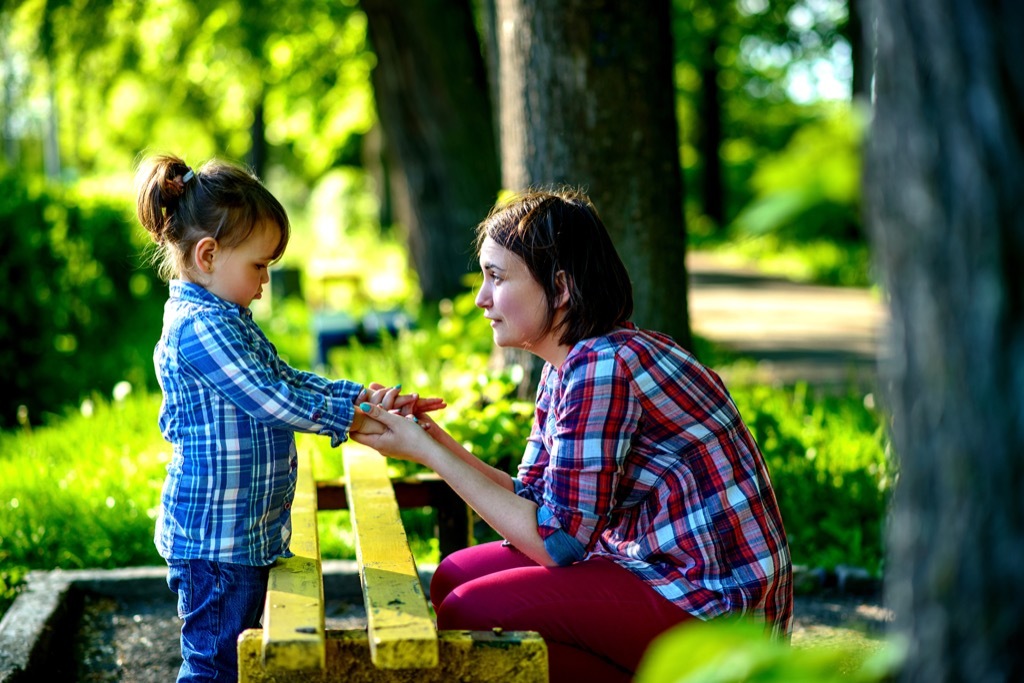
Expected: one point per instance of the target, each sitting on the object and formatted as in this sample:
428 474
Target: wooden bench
401 641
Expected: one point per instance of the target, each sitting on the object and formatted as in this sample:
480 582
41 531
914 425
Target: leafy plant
828 459
734 651
85 315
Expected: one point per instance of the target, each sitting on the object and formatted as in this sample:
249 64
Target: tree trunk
944 177
587 99
432 100
710 136
258 151
860 57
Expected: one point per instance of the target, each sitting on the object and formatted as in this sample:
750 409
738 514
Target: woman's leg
472 563
595 615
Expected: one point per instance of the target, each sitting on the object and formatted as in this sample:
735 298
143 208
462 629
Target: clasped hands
392 423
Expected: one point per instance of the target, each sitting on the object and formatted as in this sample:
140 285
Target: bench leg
478 656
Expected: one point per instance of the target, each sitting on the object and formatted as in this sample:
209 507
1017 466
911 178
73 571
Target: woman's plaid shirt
638 453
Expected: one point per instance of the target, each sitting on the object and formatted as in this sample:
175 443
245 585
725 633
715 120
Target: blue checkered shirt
230 410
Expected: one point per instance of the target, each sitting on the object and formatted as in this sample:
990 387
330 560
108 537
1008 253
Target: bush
80 314
827 457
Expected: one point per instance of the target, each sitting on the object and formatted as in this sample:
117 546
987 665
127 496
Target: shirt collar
192 293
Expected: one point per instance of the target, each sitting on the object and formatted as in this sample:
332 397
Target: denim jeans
216 601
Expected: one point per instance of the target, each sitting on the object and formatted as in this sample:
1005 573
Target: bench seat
401 641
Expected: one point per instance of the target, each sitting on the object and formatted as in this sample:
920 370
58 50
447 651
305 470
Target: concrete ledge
39 621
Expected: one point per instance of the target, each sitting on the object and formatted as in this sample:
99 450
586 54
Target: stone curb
49 607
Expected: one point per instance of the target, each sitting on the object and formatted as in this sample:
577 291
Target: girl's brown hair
179 207
559 231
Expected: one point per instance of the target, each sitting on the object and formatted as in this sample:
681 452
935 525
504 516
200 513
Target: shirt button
316 415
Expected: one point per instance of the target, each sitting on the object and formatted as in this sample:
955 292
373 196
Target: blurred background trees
399 122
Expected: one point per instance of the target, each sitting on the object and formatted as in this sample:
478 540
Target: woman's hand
391 434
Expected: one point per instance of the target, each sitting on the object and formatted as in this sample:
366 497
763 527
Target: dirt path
821 335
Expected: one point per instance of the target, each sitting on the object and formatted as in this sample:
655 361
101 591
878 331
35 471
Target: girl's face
239 272
515 304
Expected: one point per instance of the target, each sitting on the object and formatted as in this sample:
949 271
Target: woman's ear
204 252
562 282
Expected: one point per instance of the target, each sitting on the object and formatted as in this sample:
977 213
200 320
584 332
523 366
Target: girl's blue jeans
216 602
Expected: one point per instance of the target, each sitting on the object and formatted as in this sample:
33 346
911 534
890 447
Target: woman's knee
466 609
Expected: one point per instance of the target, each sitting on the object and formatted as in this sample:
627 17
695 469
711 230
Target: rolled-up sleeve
585 436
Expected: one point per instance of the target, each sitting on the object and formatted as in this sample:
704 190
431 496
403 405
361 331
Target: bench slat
293 619
401 631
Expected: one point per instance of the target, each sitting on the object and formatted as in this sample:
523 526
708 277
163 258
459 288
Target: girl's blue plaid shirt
230 410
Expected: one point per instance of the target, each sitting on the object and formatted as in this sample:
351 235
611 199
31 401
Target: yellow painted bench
401 641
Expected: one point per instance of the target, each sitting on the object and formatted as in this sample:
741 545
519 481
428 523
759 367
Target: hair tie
178 183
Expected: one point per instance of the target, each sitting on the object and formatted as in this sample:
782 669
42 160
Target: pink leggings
596 617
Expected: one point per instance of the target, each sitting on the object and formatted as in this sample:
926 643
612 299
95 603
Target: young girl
230 404
641 502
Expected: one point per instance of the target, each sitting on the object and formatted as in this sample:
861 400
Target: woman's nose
480 300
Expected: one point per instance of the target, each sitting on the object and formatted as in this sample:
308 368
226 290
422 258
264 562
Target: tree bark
587 99
710 135
435 111
945 168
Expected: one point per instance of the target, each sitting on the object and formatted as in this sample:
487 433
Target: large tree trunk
945 172
709 140
587 99
433 103
860 57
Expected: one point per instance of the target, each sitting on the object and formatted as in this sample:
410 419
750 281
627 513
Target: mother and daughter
642 502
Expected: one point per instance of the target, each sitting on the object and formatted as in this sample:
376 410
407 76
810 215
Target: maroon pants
596 617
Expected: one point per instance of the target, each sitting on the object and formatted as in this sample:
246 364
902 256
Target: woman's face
513 301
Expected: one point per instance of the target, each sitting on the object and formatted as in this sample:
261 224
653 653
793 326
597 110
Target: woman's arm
486 489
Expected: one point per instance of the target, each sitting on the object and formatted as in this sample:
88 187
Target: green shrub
827 457
735 651
80 313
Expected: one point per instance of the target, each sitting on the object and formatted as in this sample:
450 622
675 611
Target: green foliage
804 218
827 456
85 315
193 78
730 651
83 491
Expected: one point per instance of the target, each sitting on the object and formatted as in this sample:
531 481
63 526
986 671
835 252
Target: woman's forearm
499 477
512 516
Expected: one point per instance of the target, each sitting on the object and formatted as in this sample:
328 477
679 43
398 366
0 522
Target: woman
641 502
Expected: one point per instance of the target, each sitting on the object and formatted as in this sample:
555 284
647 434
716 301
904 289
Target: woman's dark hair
558 231
179 207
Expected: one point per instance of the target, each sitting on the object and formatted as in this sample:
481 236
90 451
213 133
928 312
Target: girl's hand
390 434
390 398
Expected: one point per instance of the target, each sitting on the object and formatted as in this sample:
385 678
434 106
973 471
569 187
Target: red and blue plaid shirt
639 454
